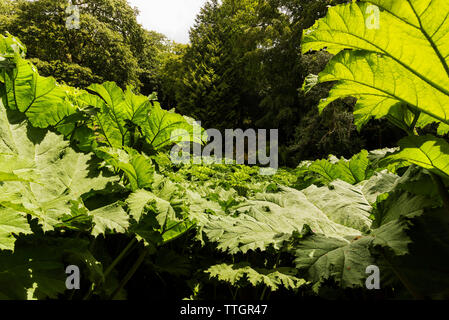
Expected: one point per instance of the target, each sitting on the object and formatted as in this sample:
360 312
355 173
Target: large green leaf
345 260
427 152
111 116
157 220
355 170
56 174
339 210
120 111
116 112
326 258
351 171
44 102
426 267
137 167
11 222
122 105
403 60
109 218
137 106
273 279
165 127
36 270
11 47
351 205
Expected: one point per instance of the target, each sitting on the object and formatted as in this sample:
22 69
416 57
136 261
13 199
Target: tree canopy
108 45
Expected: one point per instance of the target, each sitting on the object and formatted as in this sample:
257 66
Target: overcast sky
170 17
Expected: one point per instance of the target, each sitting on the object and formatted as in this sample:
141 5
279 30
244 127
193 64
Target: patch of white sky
173 18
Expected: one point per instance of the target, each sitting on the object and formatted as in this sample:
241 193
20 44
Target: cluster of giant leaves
394 57
42 185
335 231
44 102
102 115
121 118
360 167
42 177
340 210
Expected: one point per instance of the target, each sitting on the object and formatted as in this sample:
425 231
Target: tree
244 68
215 86
109 44
170 72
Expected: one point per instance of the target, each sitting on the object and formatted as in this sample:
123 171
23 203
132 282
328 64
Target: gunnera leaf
53 175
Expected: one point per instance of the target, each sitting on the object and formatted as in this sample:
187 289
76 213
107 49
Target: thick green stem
415 121
92 245
444 194
112 266
120 257
262 296
130 273
407 284
234 295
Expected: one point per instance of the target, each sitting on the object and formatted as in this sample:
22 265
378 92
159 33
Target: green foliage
50 176
234 274
270 219
36 269
104 115
158 220
380 70
428 152
110 45
324 171
138 168
43 101
212 87
124 118
69 73
164 128
131 219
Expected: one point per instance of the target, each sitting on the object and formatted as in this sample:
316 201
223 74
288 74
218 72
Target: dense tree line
108 45
243 67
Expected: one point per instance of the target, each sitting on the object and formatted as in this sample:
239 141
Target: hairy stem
417 114
130 273
112 266
120 257
234 295
262 296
